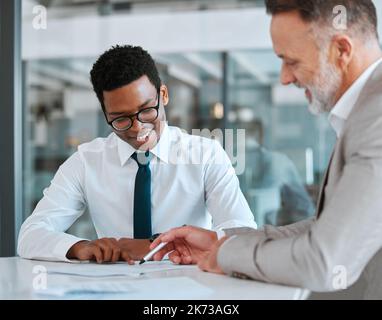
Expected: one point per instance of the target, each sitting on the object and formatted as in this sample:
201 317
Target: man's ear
164 93
342 51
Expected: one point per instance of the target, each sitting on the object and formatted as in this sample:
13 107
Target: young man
341 72
143 179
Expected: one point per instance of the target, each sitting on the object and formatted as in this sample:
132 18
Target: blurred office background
216 58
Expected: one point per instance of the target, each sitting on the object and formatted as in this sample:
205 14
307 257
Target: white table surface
17 276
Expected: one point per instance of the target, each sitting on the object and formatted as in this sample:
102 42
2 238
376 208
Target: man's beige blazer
343 243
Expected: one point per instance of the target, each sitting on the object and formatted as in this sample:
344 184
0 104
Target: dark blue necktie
142 197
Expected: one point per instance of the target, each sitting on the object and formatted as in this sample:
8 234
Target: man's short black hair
121 65
361 14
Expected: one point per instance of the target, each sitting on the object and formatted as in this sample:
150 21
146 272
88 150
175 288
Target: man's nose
286 76
136 127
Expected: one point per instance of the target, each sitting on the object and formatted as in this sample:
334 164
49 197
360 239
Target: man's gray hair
361 15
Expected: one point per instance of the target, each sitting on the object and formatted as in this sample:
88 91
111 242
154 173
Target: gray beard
324 88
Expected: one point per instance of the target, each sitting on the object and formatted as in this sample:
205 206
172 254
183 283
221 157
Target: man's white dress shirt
340 112
193 182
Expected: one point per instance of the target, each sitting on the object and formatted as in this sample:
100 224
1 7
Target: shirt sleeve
220 234
42 236
273 232
224 199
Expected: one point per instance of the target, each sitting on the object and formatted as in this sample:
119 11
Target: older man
338 63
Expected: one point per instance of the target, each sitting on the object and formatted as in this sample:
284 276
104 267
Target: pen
148 256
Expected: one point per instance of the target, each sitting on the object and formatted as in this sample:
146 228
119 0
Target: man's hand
186 245
137 248
101 250
209 263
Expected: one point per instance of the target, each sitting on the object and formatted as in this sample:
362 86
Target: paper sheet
176 288
116 269
85 288
157 288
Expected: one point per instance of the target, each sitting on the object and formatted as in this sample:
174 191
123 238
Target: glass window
286 149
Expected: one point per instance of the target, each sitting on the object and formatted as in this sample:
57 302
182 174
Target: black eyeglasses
146 115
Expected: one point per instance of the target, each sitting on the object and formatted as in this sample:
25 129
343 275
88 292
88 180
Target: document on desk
157 288
176 288
114 269
84 288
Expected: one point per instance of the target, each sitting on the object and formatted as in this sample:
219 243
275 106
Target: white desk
16 282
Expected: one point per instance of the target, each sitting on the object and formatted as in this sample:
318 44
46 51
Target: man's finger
162 252
96 253
187 260
175 257
113 241
115 249
156 242
181 248
126 257
116 254
176 233
171 235
106 249
183 251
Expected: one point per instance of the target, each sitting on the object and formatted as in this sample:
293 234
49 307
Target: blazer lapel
321 196
372 85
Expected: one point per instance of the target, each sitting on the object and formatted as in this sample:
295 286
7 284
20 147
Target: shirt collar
161 150
345 105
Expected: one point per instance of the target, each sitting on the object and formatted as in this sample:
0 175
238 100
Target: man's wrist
72 252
